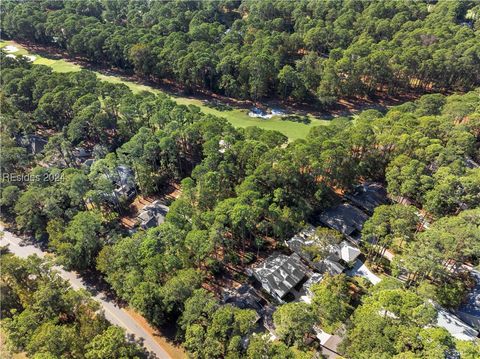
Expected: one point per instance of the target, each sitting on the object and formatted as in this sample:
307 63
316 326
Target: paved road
113 313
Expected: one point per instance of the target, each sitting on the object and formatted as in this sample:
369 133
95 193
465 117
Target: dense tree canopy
301 50
45 318
331 301
242 190
393 321
441 251
293 322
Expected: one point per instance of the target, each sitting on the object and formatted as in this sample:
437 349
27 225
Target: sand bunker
10 48
30 58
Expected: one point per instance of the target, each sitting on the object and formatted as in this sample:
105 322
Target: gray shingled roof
280 273
367 196
300 241
314 279
33 143
152 215
81 152
124 175
329 266
345 218
304 239
245 297
470 310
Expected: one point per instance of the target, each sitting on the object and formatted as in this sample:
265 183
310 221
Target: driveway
362 270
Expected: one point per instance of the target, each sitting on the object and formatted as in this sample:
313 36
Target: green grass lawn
58 65
237 117
135 87
240 118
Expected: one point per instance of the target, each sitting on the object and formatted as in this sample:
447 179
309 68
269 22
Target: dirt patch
174 350
5 353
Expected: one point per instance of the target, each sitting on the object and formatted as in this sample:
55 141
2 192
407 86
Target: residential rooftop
456 327
280 273
368 196
33 143
152 215
301 242
469 312
345 218
244 297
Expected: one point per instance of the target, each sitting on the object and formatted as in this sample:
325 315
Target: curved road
113 313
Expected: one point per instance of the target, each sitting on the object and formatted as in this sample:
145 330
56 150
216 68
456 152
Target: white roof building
348 252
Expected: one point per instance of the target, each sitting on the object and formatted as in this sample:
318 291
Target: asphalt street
113 312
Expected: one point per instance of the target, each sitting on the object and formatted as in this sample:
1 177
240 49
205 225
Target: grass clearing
135 87
57 65
237 117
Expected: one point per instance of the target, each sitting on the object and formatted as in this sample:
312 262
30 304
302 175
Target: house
124 175
277 112
89 162
348 252
469 312
307 296
368 196
81 155
124 191
346 219
124 179
329 343
244 297
33 143
303 241
152 215
259 113
81 152
453 324
279 274
329 266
